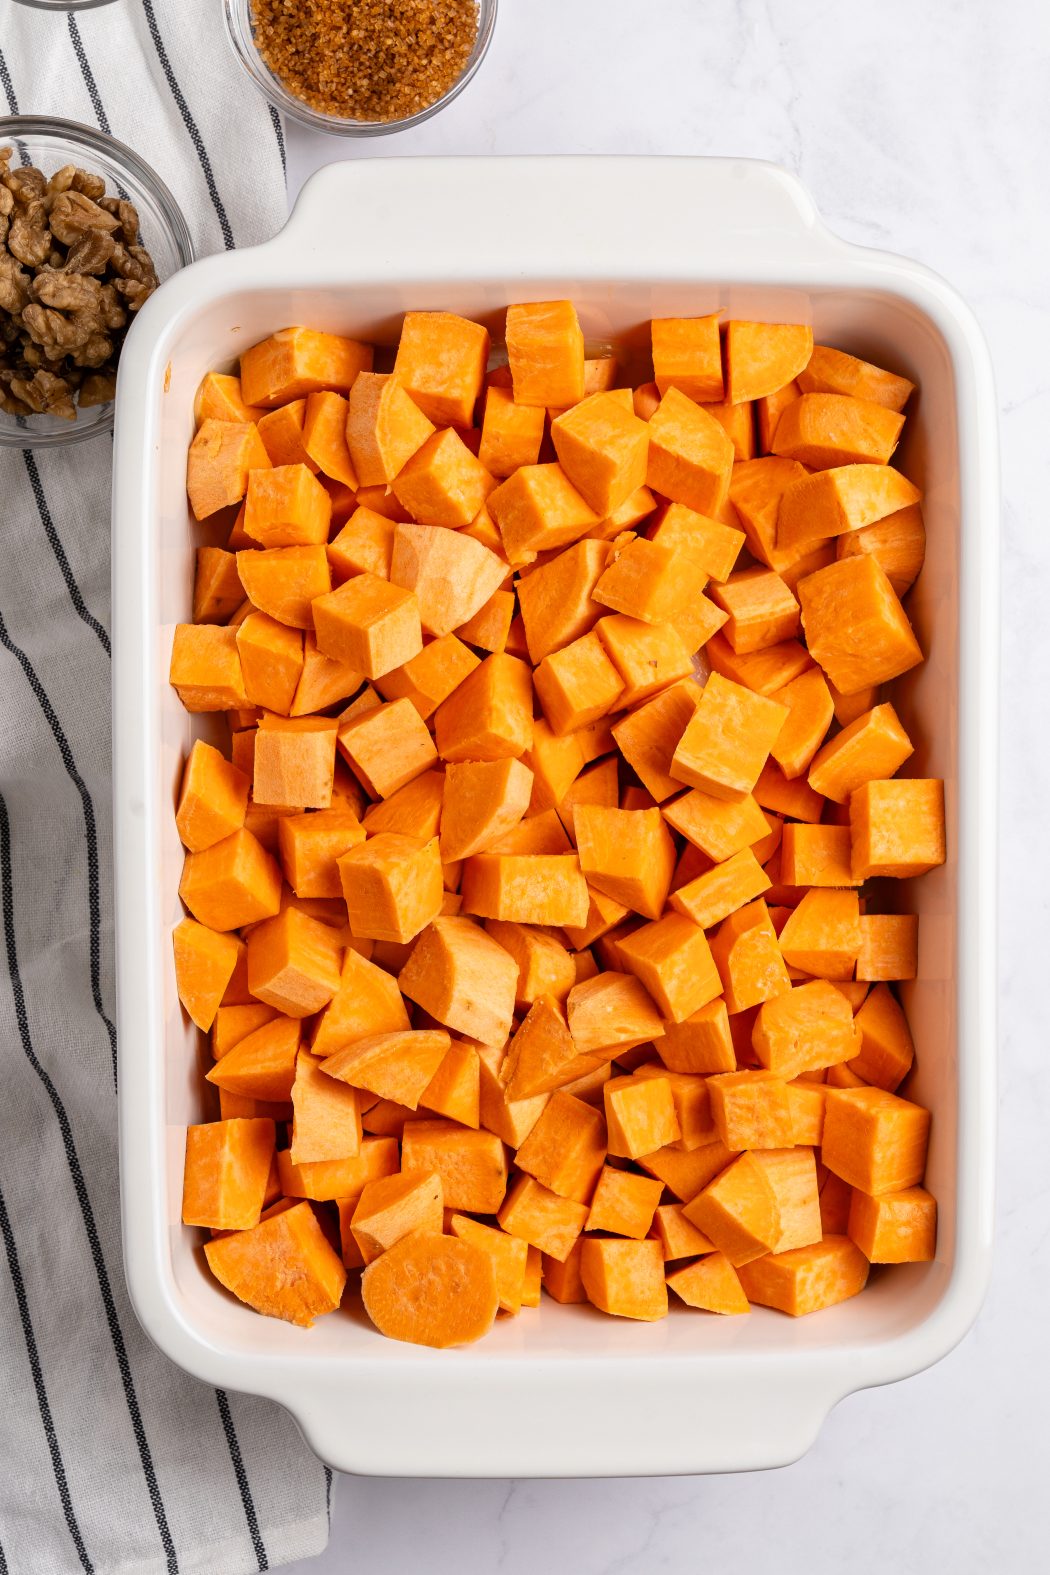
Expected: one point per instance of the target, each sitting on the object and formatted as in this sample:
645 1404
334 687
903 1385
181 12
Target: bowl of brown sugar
360 68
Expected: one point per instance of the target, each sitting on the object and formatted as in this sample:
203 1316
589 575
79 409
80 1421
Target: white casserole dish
564 1391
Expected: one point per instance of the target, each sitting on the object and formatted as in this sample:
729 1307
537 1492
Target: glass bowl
49 144
63 5
241 35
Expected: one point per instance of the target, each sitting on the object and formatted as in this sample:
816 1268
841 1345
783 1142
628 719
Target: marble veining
921 129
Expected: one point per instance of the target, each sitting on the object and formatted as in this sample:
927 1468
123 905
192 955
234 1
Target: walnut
29 243
98 388
45 392
91 253
88 183
66 292
14 285
25 183
7 201
111 308
62 179
127 215
72 214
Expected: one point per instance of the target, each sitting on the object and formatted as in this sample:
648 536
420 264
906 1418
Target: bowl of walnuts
87 232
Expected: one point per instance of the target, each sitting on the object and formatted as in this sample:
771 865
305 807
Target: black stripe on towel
190 124
87 73
8 86
278 132
79 1187
90 832
46 1419
59 551
241 1474
328 1494
3 1560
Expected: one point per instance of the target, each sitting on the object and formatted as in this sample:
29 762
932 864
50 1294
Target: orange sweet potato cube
509 1256
640 1114
262 1065
711 544
711 1284
286 506
627 854
396 1206
295 761
368 623
897 827
624 1203
384 428
221 458
702 1043
213 798
687 355
874 1139
363 545
392 885
609 1013
324 439
897 1227
511 433
815 855
898 542
455 1088
325 1180
283 1267
540 1217
565 1149
647 737
841 501
285 582
805 1279
562 1280
886 1050
428 678
489 715
482 799
889 945
217 588
830 371
738 1211
690 454
219 398
810 1027
556 598
672 958
271 661
327 1116
205 668
472 1165
282 434
751 1110
545 967
294 963
647 657
464 978
603 450
760 607
386 747
545 352
720 891
871 747
226 1171
489 627
440 362
677 1237
311 844
716 826
542 1055
792 1174
762 357
577 684
624 1278
394 1066
822 430
298 361
443 483
822 935
650 582
538 509
451 575
855 625
525 888
727 740
763 672
234 882
811 711
204 964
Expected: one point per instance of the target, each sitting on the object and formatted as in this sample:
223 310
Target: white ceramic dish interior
564 1391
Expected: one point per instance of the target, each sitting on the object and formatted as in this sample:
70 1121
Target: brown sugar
366 59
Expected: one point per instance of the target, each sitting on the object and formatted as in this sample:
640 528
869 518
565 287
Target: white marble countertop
921 129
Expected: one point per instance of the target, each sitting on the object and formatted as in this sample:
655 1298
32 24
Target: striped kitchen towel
111 1458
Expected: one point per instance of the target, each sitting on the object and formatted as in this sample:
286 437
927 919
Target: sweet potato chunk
284 1267
227 1165
298 361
